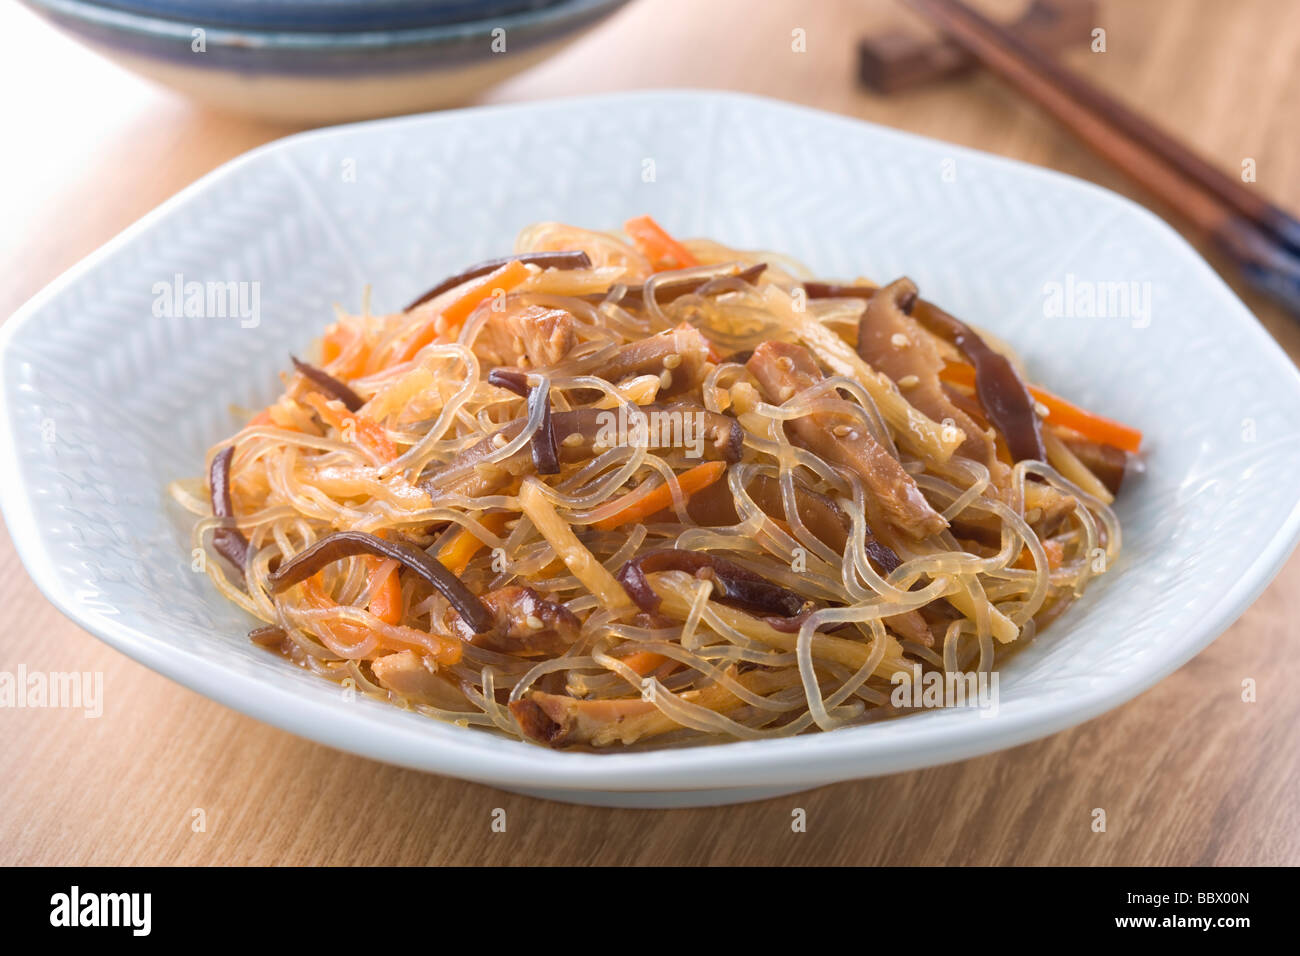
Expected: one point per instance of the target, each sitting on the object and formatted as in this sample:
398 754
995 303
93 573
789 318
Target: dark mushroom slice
524 623
783 370
715 506
1003 396
678 356
512 380
328 384
547 260
1107 462
732 584
670 290
546 457
347 544
268 635
724 439
895 344
227 541
833 290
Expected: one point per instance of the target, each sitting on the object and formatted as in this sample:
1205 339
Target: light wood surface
1187 773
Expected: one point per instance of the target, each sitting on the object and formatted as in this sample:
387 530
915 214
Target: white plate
104 402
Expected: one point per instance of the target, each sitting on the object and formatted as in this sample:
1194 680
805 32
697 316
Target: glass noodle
692 505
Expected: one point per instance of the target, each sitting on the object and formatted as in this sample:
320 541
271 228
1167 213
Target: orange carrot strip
267 416
444 649
637 504
1055 556
367 432
1061 412
338 339
335 341
385 587
504 279
643 662
663 251
455 555
646 661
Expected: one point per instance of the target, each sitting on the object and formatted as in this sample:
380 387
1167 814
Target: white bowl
104 402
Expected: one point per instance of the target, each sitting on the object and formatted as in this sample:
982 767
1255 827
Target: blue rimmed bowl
324 61
338 16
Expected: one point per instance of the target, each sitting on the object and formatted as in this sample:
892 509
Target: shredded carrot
1061 412
385 587
268 416
783 525
445 650
643 662
455 555
338 339
367 432
663 251
1055 556
638 504
454 315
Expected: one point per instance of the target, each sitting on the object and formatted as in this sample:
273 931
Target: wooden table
1187 773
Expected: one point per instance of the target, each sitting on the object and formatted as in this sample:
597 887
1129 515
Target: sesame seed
572 440
785 392
1041 410
899 340
534 622
666 379
499 440
672 361
841 430
909 381
786 363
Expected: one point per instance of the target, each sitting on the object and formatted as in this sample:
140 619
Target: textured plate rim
811 760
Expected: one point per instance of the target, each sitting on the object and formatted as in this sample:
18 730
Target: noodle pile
661 493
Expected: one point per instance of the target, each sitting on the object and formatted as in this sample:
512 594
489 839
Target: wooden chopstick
1262 238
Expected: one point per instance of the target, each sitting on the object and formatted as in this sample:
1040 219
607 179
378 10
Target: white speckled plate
105 402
